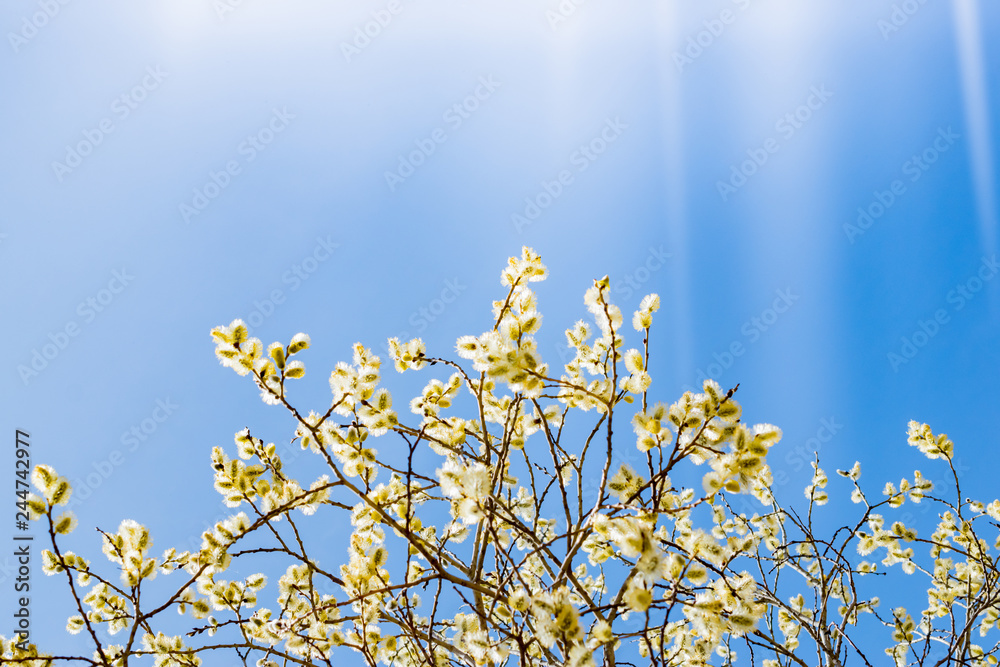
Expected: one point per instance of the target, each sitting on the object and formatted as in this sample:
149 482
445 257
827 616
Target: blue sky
810 187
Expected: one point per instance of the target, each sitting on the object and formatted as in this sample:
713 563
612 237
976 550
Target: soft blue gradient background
654 187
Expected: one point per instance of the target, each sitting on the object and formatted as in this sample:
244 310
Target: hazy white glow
677 221
970 58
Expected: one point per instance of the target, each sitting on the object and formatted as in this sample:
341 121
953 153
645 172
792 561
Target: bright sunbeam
677 221
970 58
